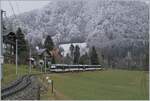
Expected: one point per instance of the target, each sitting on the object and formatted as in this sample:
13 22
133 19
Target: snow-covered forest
118 29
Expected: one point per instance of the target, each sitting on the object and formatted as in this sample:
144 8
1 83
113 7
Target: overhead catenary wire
6 16
12 8
7 21
18 8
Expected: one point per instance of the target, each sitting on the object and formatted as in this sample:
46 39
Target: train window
53 66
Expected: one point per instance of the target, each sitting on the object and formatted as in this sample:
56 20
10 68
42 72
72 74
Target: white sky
21 6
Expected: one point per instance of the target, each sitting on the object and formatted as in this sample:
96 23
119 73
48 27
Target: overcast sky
24 6
21 6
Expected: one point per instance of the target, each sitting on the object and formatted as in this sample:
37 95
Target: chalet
43 53
9 41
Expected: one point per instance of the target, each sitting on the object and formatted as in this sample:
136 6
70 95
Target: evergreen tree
48 44
71 52
53 60
146 62
94 57
22 46
84 59
67 59
39 44
76 55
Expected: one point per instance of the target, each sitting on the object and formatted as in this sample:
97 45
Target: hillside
87 20
116 28
99 85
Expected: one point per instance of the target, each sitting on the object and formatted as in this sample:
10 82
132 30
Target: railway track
25 81
16 87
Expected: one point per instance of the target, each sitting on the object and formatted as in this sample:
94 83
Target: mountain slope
89 21
115 28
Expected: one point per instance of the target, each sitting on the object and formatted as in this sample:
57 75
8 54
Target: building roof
66 47
41 51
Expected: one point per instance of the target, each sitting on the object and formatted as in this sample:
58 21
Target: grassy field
9 72
99 85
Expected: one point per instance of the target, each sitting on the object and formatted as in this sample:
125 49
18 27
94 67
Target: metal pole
45 64
1 44
41 68
30 58
52 87
16 57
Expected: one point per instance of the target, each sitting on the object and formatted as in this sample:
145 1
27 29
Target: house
43 53
9 40
57 55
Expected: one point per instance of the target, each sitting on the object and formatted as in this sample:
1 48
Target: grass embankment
99 85
9 72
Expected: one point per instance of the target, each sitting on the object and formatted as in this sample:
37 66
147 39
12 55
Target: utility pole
52 86
1 44
16 56
30 58
45 63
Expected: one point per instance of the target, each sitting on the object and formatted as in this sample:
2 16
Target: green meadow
96 85
9 72
100 85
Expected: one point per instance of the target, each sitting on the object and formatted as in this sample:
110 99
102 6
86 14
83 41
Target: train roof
73 65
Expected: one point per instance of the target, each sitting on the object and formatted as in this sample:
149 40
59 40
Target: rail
16 87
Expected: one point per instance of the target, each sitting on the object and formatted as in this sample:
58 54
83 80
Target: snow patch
83 48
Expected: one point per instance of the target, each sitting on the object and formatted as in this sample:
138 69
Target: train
74 68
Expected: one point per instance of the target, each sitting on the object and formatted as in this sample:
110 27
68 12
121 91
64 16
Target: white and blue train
73 68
